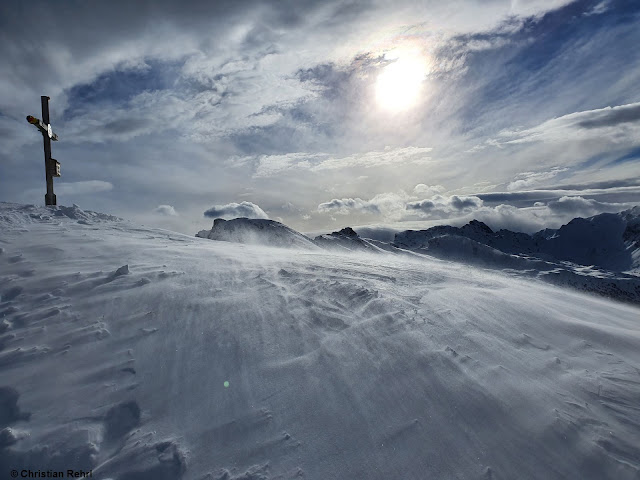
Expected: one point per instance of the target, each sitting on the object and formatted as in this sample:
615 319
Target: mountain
600 254
257 232
607 241
346 240
139 353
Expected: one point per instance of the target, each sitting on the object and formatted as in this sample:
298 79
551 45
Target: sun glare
399 84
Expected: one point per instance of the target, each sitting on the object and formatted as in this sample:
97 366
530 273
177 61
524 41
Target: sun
399 85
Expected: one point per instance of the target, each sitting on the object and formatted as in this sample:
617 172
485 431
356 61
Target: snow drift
139 353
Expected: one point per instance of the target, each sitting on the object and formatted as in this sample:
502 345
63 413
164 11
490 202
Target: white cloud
530 179
82 188
272 165
422 190
388 205
599 8
576 206
619 125
236 210
344 206
389 156
167 210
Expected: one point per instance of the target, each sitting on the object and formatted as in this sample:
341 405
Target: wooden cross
52 167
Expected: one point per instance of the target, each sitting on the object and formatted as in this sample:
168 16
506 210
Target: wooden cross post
52 167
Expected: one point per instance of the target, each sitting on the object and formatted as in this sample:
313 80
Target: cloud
578 206
388 205
610 117
389 156
83 188
272 165
236 210
441 206
588 124
344 206
395 206
599 8
529 179
166 210
422 190
622 191
285 89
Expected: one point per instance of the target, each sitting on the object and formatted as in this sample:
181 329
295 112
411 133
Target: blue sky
525 114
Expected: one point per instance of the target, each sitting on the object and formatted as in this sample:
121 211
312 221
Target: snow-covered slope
256 232
117 342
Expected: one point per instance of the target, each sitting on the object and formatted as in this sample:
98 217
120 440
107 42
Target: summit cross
52 167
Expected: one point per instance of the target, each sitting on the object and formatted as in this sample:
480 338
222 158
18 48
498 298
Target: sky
325 114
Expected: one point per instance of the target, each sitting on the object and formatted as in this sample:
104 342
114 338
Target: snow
116 342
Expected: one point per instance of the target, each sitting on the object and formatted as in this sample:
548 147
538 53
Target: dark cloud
460 203
608 191
424 205
443 205
236 210
121 84
517 197
612 117
604 184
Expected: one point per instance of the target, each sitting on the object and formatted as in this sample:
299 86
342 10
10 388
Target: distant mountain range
599 254
610 240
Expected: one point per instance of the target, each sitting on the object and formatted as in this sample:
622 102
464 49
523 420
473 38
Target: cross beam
52 167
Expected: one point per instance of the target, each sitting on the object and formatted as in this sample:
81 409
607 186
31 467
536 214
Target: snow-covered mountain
139 353
256 232
600 254
346 240
608 241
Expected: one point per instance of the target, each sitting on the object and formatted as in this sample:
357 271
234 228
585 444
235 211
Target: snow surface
116 341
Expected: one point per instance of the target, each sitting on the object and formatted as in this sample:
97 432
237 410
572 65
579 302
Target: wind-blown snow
116 342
